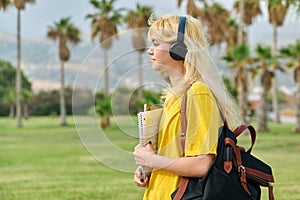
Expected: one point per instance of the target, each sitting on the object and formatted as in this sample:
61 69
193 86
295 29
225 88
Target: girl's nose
150 51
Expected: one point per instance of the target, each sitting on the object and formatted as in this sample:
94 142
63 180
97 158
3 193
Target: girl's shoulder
199 88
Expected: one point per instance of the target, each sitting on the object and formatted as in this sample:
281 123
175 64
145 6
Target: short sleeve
203 122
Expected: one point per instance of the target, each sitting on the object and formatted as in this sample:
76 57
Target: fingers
143 149
138 179
143 155
137 146
149 147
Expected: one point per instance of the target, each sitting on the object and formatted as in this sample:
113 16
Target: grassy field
43 160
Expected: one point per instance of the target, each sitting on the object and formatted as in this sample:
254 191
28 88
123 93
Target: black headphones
178 49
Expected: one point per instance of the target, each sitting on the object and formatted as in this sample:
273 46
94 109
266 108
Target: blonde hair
198 63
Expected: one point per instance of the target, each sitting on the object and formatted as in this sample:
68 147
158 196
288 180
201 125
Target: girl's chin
156 67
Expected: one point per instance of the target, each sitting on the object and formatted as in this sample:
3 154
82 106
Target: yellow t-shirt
203 122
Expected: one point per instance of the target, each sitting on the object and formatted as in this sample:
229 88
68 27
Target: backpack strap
183 120
239 130
265 179
183 181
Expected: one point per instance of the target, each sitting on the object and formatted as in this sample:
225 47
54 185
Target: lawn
45 161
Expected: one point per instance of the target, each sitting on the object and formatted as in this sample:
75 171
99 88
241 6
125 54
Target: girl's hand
138 178
143 155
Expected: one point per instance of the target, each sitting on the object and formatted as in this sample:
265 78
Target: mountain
41 65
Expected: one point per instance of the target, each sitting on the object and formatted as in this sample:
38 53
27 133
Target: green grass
43 160
280 148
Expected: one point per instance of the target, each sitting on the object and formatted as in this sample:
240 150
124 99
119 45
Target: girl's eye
155 43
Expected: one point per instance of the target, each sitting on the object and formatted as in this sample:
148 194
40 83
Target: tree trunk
106 85
275 89
18 73
63 120
106 81
218 54
241 24
296 129
263 121
140 86
11 110
25 110
242 101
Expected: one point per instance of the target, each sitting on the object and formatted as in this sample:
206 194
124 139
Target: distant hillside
40 63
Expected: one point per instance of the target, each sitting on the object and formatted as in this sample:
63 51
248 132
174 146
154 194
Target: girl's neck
176 75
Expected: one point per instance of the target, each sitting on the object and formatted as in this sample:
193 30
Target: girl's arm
196 166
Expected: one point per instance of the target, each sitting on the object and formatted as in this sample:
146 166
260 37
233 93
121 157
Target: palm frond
4 4
52 33
264 52
95 3
179 3
21 4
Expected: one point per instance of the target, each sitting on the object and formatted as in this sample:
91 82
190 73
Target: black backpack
234 175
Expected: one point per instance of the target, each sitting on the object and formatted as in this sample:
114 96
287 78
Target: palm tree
277 10
267 64
239 57
65 32
248 10
10 99
215 17
137 19
231 35
240 7
191 7
103 108
4 4
20 5
26 97
104 25
292 51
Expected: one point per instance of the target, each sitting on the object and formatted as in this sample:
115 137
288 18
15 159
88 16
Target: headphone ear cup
178 51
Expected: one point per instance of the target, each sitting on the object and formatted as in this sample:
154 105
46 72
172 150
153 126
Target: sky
37 17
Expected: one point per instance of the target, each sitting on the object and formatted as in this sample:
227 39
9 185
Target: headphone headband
178 49
181 29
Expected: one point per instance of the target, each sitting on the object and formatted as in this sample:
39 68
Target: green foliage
138 17
8 76
8 85
4 4
65 29
105 19
291 51
151 97
125 101
231 89
47 102
281 97
264 52
238 53
103 105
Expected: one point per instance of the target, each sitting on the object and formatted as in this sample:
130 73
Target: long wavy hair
198 64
